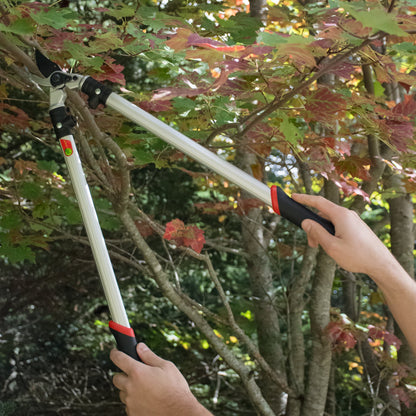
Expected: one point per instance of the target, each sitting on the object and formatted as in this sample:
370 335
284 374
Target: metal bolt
59 125
98 91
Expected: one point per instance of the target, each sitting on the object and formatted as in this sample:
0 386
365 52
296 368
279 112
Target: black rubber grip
96 91
62 121
295 212
125 339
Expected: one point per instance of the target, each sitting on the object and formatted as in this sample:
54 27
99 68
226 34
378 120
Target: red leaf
144 228
195 40
13 117
340 335
185 235
356 166
407 107
324 105
401 133
377 333
349 187
155 106
164 94
298 54
112 72
401 394
343 70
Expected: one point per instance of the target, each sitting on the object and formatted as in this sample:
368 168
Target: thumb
317 235
148 356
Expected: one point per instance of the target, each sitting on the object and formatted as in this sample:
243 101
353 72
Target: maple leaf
340 335
407 107
297 53
356 166
164 94
260 136
214 208
324 105
401 394
178 42
155 106
349 187
377 333
144 228
401 133
195 40
185 235
13 117
111 72
343 70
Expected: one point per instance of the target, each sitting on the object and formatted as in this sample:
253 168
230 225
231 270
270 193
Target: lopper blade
46 67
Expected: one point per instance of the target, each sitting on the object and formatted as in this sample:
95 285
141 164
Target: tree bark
321 354
255 241
296 345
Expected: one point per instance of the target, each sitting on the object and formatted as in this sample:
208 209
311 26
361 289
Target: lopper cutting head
46 66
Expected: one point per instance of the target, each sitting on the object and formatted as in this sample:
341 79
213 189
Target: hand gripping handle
295 212
125 339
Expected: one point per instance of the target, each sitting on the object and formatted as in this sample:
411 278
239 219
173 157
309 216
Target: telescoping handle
293 211
120 328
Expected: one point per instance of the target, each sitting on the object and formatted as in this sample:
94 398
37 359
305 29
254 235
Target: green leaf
31 191
222 114
276 39
79 52
10 220
57 18
48 165
290 131
183 105
142 156
17 254
242 28
19 27
271 39
378 89
124 11
376 18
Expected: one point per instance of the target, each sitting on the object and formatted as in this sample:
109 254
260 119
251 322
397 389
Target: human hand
354 247
154 387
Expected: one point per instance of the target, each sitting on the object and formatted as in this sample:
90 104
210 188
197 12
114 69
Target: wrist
388 274
200 410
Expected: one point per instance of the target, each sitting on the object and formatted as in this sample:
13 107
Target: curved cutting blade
46 67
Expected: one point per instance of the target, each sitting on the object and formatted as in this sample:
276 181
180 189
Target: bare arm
154 387
357 249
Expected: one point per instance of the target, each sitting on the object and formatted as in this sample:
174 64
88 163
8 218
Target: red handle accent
275 200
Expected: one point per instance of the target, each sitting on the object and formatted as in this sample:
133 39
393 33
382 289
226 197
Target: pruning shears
63 123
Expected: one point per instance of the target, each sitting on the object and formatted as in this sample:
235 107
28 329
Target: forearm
399 290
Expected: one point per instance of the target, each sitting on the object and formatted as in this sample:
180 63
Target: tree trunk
296 344
321 354
255 242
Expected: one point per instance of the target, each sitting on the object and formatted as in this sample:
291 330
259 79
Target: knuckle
169 365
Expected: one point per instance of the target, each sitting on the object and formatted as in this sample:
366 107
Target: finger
123 396
327 208
123 361
318 235
148 356
120 381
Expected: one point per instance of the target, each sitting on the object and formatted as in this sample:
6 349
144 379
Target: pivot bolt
98 91
59 125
